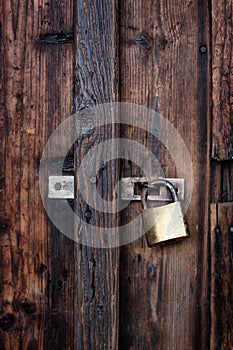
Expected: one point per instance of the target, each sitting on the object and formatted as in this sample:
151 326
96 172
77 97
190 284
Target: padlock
164 223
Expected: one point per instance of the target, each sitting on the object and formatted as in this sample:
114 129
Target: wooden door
61 57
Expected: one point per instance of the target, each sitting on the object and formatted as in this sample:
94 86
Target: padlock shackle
167 184
155 183
144 197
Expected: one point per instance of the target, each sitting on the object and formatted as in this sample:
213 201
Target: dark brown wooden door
61 57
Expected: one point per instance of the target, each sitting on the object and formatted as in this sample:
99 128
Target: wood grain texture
221 276
36 261
56 294
164 65
222 79
221 182
96 81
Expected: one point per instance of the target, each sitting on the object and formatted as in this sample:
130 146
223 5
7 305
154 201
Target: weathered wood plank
221 182
222 79
96 82
221 276
164 291
36 262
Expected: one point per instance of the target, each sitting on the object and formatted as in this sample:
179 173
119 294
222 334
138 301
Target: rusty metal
127 187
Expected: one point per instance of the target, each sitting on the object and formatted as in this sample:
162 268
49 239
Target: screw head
57 186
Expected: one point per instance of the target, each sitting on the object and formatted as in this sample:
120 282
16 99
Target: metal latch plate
128 189
61 187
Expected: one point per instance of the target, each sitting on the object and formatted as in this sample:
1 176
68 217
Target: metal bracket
128 189
61 187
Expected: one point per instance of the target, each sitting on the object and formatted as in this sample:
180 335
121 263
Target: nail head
93 179
203 49
88 214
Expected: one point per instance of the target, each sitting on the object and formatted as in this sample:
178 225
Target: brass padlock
165 223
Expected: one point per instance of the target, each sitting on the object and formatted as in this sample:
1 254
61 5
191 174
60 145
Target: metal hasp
128 189
61 187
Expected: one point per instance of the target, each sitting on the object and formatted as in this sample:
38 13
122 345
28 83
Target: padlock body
164 223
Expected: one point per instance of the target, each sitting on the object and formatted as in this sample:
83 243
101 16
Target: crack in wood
56 38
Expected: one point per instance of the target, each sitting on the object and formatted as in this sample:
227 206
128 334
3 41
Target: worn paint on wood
222 79
221 276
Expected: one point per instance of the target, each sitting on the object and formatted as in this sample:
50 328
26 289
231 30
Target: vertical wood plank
36 264
221 182
222 79
221 276
96 82
164 65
